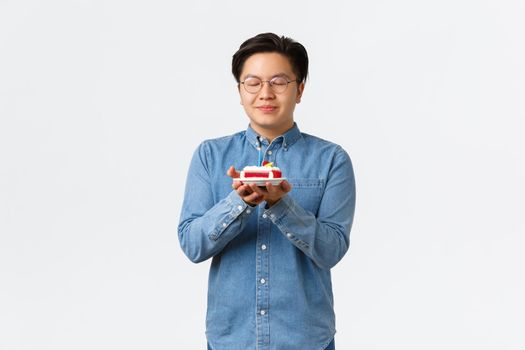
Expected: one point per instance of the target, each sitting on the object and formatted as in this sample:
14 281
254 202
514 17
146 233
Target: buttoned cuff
238 209
236 202
280 209
278 213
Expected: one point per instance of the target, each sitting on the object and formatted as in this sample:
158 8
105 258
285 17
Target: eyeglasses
253 85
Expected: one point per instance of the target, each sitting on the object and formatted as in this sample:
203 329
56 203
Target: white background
103 102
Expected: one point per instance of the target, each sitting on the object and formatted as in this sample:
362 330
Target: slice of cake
267 171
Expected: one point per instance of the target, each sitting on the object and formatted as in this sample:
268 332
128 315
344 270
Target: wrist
270 203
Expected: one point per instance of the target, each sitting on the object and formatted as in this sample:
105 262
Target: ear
300 90
239 91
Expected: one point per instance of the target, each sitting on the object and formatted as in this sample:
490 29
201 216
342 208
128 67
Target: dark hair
270 42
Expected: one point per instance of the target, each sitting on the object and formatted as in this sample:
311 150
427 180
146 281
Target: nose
266 91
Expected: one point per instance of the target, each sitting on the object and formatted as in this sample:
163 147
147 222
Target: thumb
232 172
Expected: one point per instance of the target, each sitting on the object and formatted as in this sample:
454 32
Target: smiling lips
267 109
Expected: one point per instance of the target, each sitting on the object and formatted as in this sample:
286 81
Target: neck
271 134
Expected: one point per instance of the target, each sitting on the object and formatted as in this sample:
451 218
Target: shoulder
316 139
213 149
219 143
333 154
223 140
322 144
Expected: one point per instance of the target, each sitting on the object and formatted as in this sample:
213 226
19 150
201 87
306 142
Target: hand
244 191
253 195
273 194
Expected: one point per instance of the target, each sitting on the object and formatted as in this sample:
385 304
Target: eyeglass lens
278 84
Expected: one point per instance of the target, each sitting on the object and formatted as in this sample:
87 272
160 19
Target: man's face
270 113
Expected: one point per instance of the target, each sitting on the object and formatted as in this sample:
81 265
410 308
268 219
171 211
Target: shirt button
269 152
248 211
289 235
264 216
263 247
224 224
263 312
239 207
263 281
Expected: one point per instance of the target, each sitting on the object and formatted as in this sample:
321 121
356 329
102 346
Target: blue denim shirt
269 284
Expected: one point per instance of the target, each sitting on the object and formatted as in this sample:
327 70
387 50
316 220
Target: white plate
260 181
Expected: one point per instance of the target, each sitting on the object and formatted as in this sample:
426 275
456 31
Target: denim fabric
269 284
330 346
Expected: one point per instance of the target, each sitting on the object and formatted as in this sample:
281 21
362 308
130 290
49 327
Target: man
272 247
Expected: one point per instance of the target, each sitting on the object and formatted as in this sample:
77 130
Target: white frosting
260 168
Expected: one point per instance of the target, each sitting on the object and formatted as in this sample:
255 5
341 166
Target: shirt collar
288 138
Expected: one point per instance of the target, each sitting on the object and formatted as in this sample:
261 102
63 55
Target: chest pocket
307 193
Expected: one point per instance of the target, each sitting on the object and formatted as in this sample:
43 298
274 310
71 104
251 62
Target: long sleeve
324 238
206 227
269 284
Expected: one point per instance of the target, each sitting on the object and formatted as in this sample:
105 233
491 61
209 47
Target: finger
271 188
244 190
254 197
236 184
286 186
232 172
261 191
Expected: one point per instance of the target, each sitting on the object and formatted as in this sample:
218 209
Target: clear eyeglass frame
278 85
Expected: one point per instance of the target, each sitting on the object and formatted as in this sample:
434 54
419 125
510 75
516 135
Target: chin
267 122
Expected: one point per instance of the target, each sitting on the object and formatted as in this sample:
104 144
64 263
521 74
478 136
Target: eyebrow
282 74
